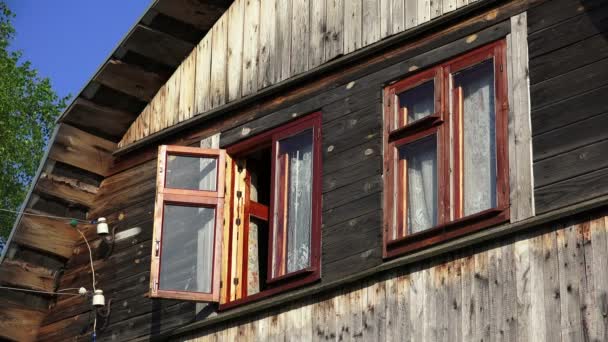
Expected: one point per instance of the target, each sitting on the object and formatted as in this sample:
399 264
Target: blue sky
67 40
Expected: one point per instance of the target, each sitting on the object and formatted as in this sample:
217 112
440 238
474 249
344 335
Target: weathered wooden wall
547 286
258 43
568 44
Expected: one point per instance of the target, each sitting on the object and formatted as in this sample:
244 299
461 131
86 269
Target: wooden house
328 170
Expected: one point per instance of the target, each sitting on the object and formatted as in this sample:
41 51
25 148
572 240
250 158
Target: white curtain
421 160
300 205
479 137
205 234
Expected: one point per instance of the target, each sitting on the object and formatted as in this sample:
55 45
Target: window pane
293 209
186 262
418 170
479 137
193 173
416 103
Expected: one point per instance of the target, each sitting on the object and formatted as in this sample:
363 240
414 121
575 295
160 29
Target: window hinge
155 288
235 281
501 68
157 248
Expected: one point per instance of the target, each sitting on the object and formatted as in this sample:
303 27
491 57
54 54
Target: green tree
28 109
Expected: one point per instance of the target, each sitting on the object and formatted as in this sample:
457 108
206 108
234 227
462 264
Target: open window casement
188 220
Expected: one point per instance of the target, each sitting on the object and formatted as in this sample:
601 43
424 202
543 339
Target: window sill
304 277
446 231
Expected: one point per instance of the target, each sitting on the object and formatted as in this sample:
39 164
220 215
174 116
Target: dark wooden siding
568 45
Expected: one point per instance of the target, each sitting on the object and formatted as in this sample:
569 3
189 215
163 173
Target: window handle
157 248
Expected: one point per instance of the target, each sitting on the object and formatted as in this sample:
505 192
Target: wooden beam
83 150
19 324
21 274
69 189
201 14
92 117
47 234
158 45
130 79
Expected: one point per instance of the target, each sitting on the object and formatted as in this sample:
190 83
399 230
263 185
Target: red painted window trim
185 197
264 140
451 222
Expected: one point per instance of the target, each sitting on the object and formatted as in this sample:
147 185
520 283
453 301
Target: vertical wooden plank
293 320
481 293
250 46
386 18
454 300
187 87
261 328
398 16
391 324
283 39
318 30
569 285
537 290
218 62
342 315
448 6
496 282
436 8
588 304
440 279
376 310
468 304
324 324
300 36
509 292
267 50
307 319
551 287
235 49
417 295
461 3
522 278
334 40
202 101
411 13
423 11
352 25
429 321
356 307
520 127
599 238
171 105
370 27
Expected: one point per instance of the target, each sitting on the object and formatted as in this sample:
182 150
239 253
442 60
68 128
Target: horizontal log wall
550 286
258 43
568 47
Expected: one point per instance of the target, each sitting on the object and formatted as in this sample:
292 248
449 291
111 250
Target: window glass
416 103
192 173
418 184
186 262
478 137
293 204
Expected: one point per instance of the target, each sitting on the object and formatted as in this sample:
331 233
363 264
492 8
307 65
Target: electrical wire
47 216
37 291
90 257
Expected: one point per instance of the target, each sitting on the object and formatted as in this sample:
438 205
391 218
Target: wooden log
130 79
21 274
47 234
68 189
19 324
157 45
102 120
201 14
83 150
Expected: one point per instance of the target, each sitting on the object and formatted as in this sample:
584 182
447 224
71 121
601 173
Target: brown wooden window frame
313 272
444 123
187 197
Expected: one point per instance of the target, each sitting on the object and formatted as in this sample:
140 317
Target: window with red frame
270 208
446 151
